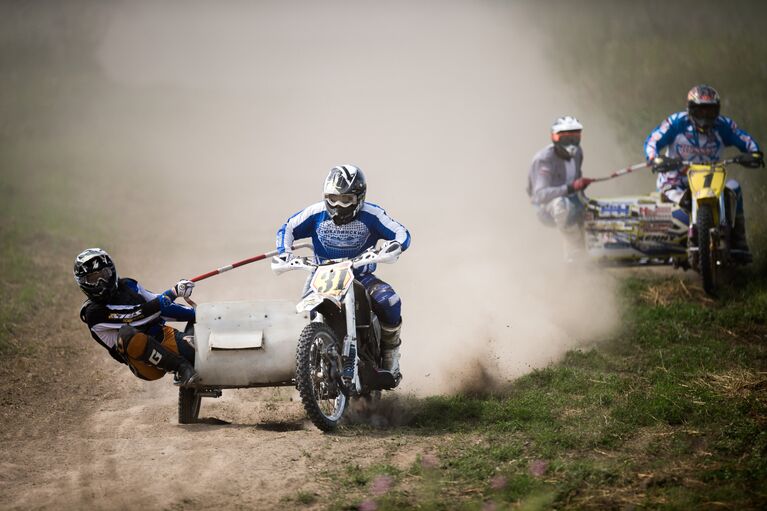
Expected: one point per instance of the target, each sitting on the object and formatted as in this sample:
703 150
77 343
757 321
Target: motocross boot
157 355
390 343
740 251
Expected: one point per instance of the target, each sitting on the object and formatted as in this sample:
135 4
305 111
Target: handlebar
387 254
675 164
728 161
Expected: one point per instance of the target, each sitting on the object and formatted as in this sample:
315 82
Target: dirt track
106 440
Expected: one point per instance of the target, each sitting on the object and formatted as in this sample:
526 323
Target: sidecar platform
247 344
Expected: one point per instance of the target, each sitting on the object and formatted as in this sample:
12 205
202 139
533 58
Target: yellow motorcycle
711 221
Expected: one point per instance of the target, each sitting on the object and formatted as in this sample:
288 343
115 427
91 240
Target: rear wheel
318 365
188 405
707 248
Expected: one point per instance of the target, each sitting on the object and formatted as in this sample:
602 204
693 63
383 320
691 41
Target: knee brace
136 345
386 302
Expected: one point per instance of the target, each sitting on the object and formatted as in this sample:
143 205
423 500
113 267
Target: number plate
333 280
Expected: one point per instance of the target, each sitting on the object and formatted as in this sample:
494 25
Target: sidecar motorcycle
648 230
327 346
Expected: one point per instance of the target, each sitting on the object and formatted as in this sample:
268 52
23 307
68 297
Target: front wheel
318 367
707 248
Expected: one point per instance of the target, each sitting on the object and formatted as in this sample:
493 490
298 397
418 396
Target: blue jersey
331 241
683 141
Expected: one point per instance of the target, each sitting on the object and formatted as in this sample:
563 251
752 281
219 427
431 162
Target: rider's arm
664 134
298 226
541 188
734 136
385 226
168 309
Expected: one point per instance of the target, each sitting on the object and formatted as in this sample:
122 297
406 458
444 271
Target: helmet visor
344 200
704 115
95 277
567 138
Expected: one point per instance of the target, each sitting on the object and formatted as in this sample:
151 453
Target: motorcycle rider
700 135
344 225
129 321
555 181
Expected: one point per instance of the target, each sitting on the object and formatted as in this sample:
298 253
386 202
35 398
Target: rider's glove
666 164
580 184
183 288
752 160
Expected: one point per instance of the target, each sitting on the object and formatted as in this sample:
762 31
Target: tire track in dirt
116 445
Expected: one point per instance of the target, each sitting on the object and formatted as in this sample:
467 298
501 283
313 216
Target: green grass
39 231
671 413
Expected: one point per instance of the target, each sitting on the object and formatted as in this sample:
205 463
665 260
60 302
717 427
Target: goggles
707 112
567 137
341 200
93 278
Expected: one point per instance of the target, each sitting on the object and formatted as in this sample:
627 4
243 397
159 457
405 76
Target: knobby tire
304 382
188 405
706 252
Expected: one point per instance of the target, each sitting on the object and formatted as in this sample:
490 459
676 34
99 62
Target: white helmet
566 123
566 136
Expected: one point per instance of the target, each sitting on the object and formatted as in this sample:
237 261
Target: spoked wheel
318 364
188 405
707 248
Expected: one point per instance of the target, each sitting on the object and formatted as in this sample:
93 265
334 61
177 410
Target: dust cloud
208 124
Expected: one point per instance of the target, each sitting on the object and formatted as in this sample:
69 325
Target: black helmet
703 107
95 273
344 193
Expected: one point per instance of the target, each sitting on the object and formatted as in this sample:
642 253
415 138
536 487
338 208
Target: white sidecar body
247 344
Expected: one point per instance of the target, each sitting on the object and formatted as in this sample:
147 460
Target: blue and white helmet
344 193
95 273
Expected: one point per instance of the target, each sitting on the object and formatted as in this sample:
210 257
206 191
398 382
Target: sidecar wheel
188 405
707 251
318 362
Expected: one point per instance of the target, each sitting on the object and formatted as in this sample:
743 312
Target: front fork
350 358
722 227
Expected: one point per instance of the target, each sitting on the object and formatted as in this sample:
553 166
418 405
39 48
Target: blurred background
179 136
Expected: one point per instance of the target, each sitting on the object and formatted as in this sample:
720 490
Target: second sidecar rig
636 230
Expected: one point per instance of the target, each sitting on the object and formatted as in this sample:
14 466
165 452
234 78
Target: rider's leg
739 242
150 359
567 214
544 217
387 306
